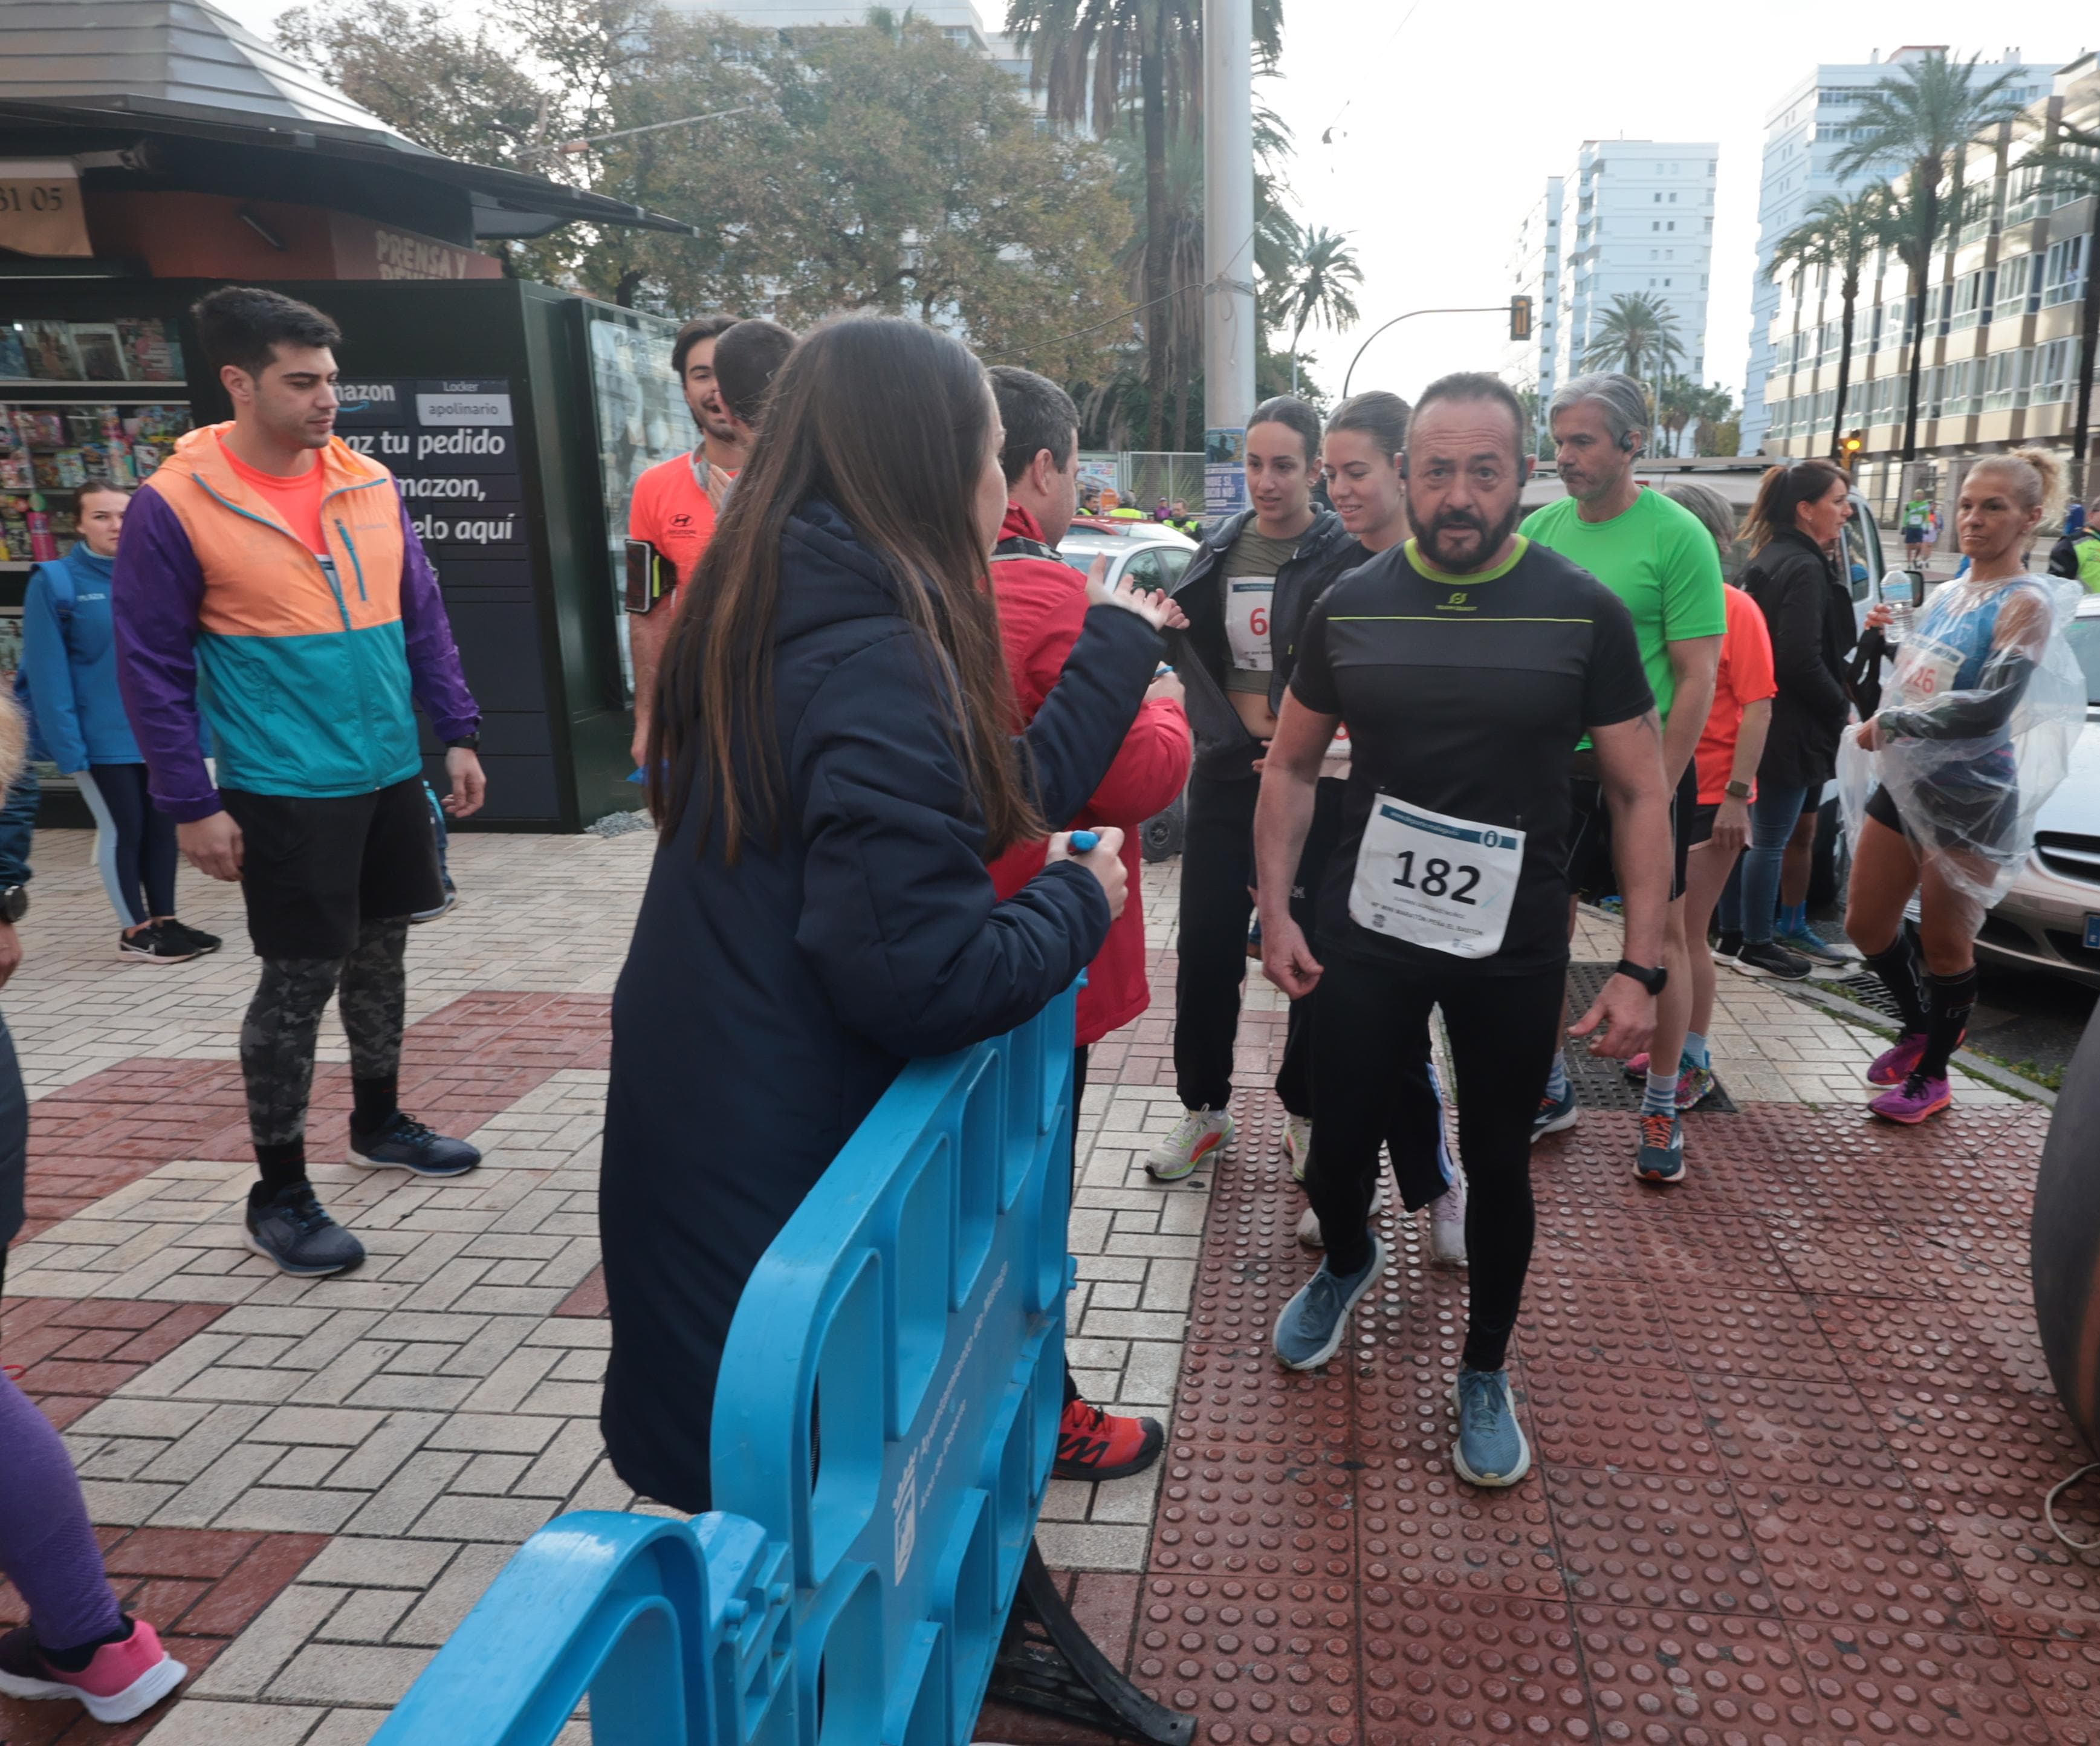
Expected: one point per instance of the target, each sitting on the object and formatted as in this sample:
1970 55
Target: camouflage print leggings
277 1037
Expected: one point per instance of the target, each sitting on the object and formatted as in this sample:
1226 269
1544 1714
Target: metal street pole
1229 335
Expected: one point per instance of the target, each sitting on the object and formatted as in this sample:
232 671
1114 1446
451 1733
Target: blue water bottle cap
1084 841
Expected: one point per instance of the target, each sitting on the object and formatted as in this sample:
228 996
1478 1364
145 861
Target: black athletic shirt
1466 695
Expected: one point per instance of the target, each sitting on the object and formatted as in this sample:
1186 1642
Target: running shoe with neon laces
1913 1101
1447 1227
1313 1323
1661 1158
1491 1449
1199 1134
1297 1143
1308 1221
124 1678
1892 1066
1094 1445
405 1143
1808 944
1554 1114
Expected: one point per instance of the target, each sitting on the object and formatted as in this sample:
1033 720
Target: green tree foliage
1317 286
1837 237
2068 159
1638 334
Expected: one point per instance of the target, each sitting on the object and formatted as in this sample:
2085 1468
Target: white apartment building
1635 215
1535 268
2000 361
1806 129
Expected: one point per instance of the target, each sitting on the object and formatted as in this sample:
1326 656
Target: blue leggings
134 843
1750 903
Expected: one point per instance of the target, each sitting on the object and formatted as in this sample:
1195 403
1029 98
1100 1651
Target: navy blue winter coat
765 1007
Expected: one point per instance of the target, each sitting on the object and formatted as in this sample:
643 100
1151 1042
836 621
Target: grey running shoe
405 1143
1811 945
1490 1449
1311 1329
294 1232
1767 957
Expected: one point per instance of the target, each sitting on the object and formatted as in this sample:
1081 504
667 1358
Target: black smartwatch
14 903
1653 980
465 742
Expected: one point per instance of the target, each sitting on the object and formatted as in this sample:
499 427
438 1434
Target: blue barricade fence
884 1425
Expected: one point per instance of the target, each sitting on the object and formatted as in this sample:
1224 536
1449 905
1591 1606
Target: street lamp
1518 309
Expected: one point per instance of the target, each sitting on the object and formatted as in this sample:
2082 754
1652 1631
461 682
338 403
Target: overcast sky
1442 122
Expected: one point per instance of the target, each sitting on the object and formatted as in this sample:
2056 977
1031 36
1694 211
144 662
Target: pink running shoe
1892 1066
1913 1101
125 1679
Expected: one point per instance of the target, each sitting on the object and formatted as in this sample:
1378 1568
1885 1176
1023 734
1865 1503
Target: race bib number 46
1435 880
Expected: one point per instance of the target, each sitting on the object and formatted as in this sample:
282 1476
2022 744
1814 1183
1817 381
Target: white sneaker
1199 1134
1308 1222
1297 1143
1447 1227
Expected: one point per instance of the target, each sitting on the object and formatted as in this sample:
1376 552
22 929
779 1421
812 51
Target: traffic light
1848 450
1519 317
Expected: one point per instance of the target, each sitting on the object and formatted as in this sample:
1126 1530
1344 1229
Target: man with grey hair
1657 558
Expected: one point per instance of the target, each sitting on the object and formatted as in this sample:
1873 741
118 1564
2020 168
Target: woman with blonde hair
1974 735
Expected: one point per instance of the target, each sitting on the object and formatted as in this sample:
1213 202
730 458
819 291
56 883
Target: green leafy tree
2069 160
1318 285
1921 121
1639 335
1838 235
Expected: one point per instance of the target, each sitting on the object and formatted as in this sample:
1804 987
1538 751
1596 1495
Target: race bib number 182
1435 880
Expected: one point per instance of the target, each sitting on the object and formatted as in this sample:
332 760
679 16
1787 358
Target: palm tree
1677 399
1638 335
1316 287
1110 62
2070 164
1923 120
1839 235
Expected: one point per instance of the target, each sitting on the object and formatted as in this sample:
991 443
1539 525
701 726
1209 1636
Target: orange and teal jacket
309 680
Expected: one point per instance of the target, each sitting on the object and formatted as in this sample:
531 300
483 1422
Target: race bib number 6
1434 880
1247 599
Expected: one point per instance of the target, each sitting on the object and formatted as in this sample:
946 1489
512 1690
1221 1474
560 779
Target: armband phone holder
650 576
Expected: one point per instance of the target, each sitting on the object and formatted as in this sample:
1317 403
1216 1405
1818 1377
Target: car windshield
2085 644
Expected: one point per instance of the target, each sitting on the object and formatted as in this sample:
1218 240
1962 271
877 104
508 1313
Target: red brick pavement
464 1064
197 1587
68 1353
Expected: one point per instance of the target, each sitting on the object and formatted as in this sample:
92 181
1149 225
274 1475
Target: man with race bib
1468 662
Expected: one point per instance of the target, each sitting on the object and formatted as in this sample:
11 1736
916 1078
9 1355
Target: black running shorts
1590 873
311 870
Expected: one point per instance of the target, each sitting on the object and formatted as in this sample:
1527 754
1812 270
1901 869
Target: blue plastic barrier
883 1429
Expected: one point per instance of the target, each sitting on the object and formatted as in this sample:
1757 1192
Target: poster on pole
1224 470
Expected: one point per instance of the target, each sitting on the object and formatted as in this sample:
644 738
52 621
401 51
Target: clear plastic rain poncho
1976 727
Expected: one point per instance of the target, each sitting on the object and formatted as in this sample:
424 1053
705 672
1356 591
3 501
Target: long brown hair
889 423
1782 491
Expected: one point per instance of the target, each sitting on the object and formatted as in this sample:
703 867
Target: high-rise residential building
1535 269
1804 132
959 21
1635 215
2002 359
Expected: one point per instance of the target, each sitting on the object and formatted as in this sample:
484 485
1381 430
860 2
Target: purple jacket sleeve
155 596
433 661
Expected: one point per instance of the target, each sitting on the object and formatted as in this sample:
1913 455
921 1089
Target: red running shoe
124 1679
1092 1444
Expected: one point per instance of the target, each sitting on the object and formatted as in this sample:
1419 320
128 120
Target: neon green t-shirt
1658 558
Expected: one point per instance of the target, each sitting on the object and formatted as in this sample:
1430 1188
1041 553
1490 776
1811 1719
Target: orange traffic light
1519 317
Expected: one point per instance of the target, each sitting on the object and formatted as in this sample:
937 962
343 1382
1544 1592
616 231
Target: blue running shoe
1661 1158
1554 1114
291 1231
1490 1449
1310 1330
404 1143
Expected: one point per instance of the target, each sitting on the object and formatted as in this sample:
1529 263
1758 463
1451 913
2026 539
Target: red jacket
1042 604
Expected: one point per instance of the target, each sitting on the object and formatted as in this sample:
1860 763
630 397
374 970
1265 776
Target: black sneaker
1765 957
1728 948
406 1144
156 944
293 1232
450 897
184 934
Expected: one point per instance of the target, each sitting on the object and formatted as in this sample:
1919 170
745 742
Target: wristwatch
14 903
465 742
1653 981
1737 790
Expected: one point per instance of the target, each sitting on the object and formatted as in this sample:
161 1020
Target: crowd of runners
899 752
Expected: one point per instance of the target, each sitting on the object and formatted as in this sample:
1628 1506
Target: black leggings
1367 1018
134 842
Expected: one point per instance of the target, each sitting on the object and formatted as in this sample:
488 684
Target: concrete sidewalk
306 1484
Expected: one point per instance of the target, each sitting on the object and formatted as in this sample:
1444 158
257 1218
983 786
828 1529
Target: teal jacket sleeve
50 671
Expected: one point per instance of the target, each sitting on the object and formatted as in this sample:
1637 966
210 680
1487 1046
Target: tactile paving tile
1881 1684
1776 1431
1619 1416
1257 1661
1692 1252
1644 1540
1570 1319
1976 1442
1974 1339
1757 1333
1422 1527
1857 1255
1442 1668
1405 1417
2026 1581
1854 1558
2064 1680
1687 1677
